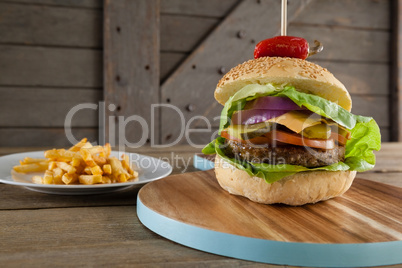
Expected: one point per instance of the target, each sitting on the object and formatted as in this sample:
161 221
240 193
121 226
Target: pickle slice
321 131
344 132
246 132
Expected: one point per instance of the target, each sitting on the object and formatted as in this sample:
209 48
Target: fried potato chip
69 178
79 145
90 179
107 169
37 179
106 179
86 155
99 160
57 175
96 170
30 160
34 167
48 178
76 162
118 170
61 155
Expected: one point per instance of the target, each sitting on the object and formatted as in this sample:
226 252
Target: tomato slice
297 139
339 138
285 137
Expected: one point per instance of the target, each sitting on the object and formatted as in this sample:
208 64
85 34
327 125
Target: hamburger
286 133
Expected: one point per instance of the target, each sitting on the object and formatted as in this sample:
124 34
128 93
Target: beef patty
285 154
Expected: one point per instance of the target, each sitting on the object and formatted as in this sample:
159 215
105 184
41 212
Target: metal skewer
284 17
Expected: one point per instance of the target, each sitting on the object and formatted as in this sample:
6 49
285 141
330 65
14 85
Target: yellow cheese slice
297 121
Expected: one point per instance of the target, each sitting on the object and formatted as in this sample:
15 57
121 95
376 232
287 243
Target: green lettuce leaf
365 138
359 155
323 107
209 148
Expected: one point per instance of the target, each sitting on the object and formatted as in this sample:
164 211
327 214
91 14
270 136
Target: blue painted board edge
268 251
202 163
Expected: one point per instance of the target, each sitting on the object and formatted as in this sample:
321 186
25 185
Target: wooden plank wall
50 61
131 71
184 25
51 57
396 71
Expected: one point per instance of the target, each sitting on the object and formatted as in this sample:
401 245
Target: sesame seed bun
305 76
295 190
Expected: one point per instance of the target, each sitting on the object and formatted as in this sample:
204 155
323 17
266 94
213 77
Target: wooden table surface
52 230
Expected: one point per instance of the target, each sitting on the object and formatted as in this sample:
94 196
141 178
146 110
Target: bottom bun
297 189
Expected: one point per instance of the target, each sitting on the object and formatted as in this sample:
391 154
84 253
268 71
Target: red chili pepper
282 46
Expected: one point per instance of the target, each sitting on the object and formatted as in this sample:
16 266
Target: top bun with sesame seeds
305 76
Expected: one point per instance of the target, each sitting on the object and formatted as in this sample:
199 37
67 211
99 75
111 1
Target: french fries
80 164
32 167
30 160
61 155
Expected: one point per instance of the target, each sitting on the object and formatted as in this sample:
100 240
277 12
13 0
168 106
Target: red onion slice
255 116
272 103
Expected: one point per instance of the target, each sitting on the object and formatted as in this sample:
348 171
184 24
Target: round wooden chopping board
361 228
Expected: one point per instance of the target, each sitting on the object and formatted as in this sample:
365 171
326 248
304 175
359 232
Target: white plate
149 169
